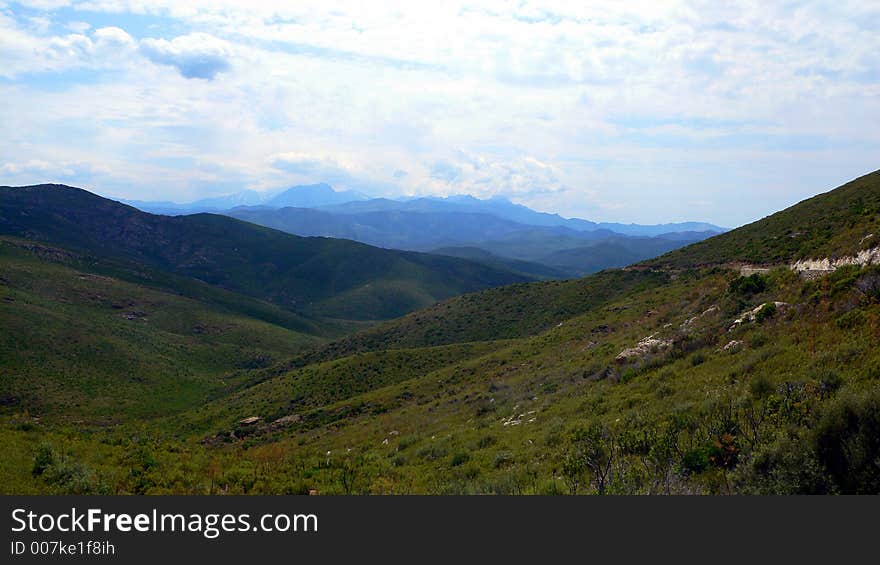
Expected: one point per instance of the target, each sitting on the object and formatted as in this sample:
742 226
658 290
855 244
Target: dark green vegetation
630 381
612 252
536 271
77 343
317 277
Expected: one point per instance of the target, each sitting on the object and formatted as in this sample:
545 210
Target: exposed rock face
250 421
285 421
818 267
648 345
750 315
749 270
732 345
688 325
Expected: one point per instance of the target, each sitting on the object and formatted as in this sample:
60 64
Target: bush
761 387
502 459
758 340
432 452
43 459
766 312
745 286
789 466
829 381
847 444
460 458
696 461
698 359
868 286
851 319
486 441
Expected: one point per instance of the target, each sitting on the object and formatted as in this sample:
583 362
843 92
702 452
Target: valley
201 354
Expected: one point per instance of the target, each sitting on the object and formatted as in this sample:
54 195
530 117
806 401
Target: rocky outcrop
285 421
818 267
250 421
749 270
648 345
752 315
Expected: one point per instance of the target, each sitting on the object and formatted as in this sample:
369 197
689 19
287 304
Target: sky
645 112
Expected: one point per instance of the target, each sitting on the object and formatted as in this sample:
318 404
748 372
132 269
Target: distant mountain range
306 196
503 208
544 245
338 202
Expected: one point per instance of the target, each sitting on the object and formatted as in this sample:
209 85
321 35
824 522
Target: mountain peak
313 195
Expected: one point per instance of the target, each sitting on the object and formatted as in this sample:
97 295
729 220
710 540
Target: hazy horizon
652 113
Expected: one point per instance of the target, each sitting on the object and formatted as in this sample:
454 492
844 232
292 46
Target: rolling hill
78 339
676 376
534 270
313 276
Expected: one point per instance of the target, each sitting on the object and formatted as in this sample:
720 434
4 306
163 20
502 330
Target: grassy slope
76 343
606 254
829 224
525 268
439 419
415 406
501 313
314 276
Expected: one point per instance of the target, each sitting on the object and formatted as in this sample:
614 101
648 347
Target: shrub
696 461
432 452
43 459
758 340
745 286
766 312
848 444
851 319
829 381
460 458
502 459
698 359
868 286
486 441
761 386
788 466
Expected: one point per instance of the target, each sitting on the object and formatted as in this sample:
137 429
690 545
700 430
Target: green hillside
526 268
840 222
678 377
76 343
613 252
313 276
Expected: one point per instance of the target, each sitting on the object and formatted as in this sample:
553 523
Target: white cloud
196 55
78 27
481 175
622 110
38 171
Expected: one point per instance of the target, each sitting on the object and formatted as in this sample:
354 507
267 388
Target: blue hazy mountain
562 251
313 196
504 208
325 197
409 230
306 196
494 231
